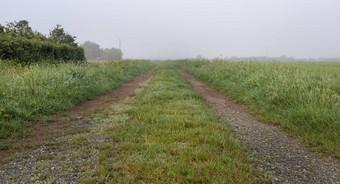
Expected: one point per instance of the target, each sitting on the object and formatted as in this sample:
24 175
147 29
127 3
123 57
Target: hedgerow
20 44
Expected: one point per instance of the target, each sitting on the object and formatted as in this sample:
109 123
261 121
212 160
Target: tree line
94 52
20 43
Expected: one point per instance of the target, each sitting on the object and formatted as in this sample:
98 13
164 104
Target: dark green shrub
20 49
19 43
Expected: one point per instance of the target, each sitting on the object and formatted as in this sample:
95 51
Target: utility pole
120 44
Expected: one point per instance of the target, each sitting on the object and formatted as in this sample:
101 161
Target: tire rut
39 131
276 154
70 157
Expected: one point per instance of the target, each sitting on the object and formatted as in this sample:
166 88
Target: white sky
186 28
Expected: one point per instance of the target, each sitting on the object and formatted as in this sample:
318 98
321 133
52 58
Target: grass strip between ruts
172 137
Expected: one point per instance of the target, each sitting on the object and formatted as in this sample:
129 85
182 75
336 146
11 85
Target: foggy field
170 91
165 132
304 98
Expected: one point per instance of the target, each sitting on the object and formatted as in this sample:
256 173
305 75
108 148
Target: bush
25 50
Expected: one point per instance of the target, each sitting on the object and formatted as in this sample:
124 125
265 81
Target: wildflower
3 93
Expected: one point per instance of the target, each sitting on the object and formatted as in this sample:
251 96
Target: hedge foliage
20 44
32 50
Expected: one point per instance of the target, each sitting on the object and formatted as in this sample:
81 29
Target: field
304 98
319 68
168 126
30 92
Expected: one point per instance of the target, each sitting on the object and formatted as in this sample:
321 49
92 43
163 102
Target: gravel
275 153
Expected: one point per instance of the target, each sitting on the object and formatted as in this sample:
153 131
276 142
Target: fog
170 29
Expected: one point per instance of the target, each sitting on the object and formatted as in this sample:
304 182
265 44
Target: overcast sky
187 28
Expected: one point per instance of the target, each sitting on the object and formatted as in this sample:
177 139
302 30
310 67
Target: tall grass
320 68
302 99
172 137
29 91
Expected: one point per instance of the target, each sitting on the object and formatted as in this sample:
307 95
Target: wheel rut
39 131
276 154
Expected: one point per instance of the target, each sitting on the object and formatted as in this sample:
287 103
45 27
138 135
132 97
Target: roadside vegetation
30 91
21 44
168 135
302 97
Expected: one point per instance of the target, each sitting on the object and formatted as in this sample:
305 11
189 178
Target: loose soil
275 153
64 121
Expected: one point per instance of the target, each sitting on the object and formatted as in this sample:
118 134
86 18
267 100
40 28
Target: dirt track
40 131
278 156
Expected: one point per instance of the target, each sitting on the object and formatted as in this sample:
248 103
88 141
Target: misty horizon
185 29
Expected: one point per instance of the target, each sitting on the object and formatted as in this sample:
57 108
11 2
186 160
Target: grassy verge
26 92
303 98
171 137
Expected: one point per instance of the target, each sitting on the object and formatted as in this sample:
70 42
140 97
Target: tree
58 34
92 50
20 28
40 36
112 54
2 28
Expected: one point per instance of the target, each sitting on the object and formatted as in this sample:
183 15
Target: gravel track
73 155
276 154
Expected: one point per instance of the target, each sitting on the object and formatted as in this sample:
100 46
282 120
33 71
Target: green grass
302 97
27 92
320 68
171 137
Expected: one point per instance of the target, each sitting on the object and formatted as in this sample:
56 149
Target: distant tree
199 57
92 50
58 34
112 54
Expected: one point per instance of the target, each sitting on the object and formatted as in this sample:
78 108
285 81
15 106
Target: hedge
23 50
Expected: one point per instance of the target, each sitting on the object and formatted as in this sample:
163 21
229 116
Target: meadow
303 98
28 92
